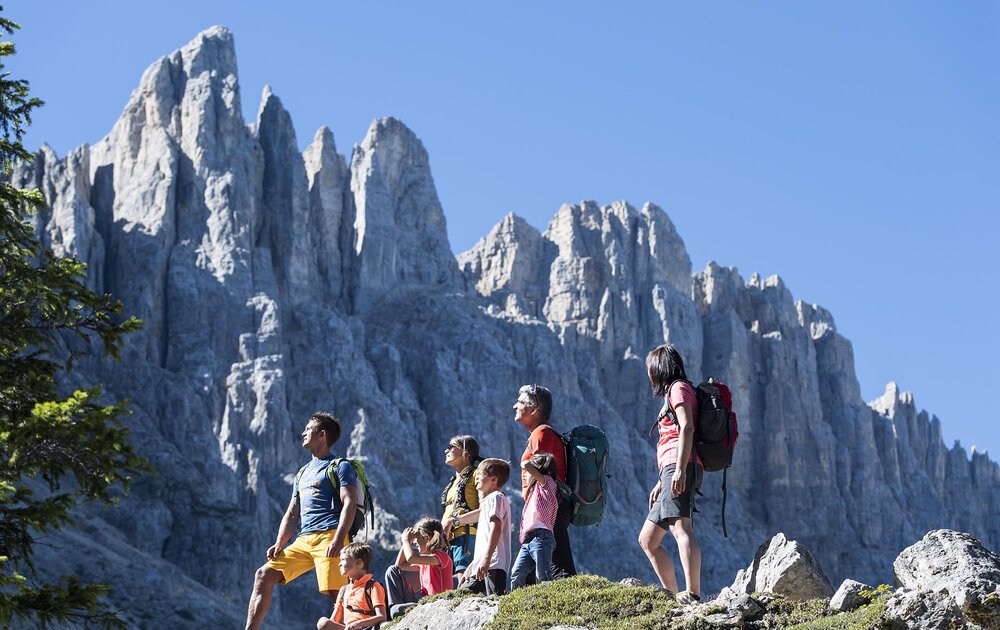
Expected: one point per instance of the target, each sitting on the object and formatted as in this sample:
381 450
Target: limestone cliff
274 283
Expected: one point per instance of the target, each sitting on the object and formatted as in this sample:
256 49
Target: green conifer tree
55 451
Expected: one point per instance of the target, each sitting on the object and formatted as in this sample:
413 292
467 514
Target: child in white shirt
491 559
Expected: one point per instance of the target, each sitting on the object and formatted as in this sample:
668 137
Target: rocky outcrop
273 283
923 610
783 567
956 566
473 612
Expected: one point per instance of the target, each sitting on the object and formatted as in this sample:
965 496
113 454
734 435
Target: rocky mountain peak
400 235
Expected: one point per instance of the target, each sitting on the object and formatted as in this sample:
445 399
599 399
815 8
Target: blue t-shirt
320 504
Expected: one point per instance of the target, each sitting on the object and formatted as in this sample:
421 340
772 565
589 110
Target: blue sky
852 147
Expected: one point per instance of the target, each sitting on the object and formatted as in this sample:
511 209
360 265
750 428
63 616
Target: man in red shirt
532 411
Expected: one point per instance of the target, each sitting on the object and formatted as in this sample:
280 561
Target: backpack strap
331 472
666 410
460 502
341 598
367 504
369 585
298 476
725 533
563 491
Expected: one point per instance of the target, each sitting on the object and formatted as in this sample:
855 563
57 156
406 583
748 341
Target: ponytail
432 529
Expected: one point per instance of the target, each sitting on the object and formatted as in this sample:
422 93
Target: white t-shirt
494 504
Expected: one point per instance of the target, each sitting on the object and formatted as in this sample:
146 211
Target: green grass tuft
810 616
585 600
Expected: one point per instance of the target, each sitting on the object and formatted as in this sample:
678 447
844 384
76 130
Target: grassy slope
595 602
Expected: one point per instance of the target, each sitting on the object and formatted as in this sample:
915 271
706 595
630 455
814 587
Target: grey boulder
472 612
848 596
784 567
956 564
923 610
739 608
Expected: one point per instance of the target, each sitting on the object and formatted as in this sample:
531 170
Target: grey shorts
668 507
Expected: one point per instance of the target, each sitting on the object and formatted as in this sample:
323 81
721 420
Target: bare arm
289 523
349 499
685 442
533 471
402 559
379 617
465 519
483 569
414 557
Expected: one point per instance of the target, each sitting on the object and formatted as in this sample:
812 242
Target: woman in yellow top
460 497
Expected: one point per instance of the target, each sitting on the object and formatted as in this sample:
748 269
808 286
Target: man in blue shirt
324 515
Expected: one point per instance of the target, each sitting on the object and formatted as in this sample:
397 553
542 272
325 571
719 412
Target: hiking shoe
687 597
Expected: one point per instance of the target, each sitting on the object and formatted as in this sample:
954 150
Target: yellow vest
450 509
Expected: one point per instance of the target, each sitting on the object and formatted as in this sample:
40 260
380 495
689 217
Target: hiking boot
687 597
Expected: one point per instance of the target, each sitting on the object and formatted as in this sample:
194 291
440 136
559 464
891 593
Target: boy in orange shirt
360 604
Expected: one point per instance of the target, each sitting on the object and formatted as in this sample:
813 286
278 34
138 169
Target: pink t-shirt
540 507
434 580
680 393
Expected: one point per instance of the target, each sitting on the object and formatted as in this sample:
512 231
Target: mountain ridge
275 282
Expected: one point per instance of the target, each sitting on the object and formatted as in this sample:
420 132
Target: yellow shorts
308 551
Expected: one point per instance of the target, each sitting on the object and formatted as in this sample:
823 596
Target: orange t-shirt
544 439
356 606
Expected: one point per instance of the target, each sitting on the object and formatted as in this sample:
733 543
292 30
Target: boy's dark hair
493 467
541 399
664 365
329 424
358 551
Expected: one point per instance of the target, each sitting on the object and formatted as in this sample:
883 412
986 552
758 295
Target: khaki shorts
307 552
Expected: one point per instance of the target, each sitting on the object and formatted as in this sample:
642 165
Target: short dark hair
358 551
664 365
329 424
493 467
544 462
541 399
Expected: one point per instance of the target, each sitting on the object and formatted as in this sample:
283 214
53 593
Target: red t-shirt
434 580
680 393
544 439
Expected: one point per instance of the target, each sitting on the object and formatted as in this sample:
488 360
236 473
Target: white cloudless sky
853 148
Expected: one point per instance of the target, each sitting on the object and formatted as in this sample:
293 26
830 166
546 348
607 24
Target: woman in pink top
671 501
430 558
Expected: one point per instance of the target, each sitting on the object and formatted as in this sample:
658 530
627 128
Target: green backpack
367 504
586 473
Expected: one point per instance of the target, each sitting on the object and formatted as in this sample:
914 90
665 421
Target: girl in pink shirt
538 518
425 549
671 501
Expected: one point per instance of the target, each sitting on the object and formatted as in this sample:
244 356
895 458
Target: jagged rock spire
400 238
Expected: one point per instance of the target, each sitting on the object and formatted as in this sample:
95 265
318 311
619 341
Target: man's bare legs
650 539
260 600
689 551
